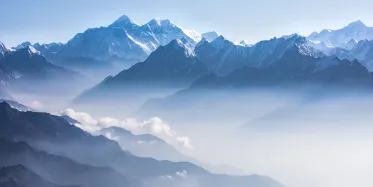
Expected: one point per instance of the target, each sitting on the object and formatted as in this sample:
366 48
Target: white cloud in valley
155 126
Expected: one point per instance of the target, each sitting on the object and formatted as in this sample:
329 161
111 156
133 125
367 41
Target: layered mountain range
66 155
220 63
40 149
27 65
123 41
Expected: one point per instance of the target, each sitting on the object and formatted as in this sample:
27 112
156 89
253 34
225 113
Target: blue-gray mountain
293 63
351 42
58 169
344 37
124 40
20 176
290 59
223 56
147 145
68 148
172 66
3 50
27 66
361 51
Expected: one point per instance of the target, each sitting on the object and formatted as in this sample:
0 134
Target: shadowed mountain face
224 57
29 63
170 67
175 62
59 169
21 70
124 41
55 135
20 176
16 105
3 50
294 70
293 67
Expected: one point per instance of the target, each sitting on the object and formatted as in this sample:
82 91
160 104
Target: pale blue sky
252 20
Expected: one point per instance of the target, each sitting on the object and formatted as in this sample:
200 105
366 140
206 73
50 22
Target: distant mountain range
64 154
221 63
59 169
343 38
147 145
124 41
173 66
27 66
20 176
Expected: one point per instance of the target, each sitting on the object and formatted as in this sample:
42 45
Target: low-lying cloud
155 126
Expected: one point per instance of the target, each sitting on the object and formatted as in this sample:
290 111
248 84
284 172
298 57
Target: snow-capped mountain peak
220 42
29 50
181 43
194 35
245 43
294 37
342 37
357 24
3 50
210 36
291 36
22 45
2 47
159 22
124 21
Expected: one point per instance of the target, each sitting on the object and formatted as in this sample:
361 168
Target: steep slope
342 37
58 169
28 64
363 51
49 51
16 105
223 56
104 43
294 68
55 135
125 40
24 69
172 66
3 50
210 36
22 45
20 176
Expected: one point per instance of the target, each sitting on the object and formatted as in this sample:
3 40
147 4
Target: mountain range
27 66
344 37
147 145
41 149
221 63
56 150
19 176
172 66
124 41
